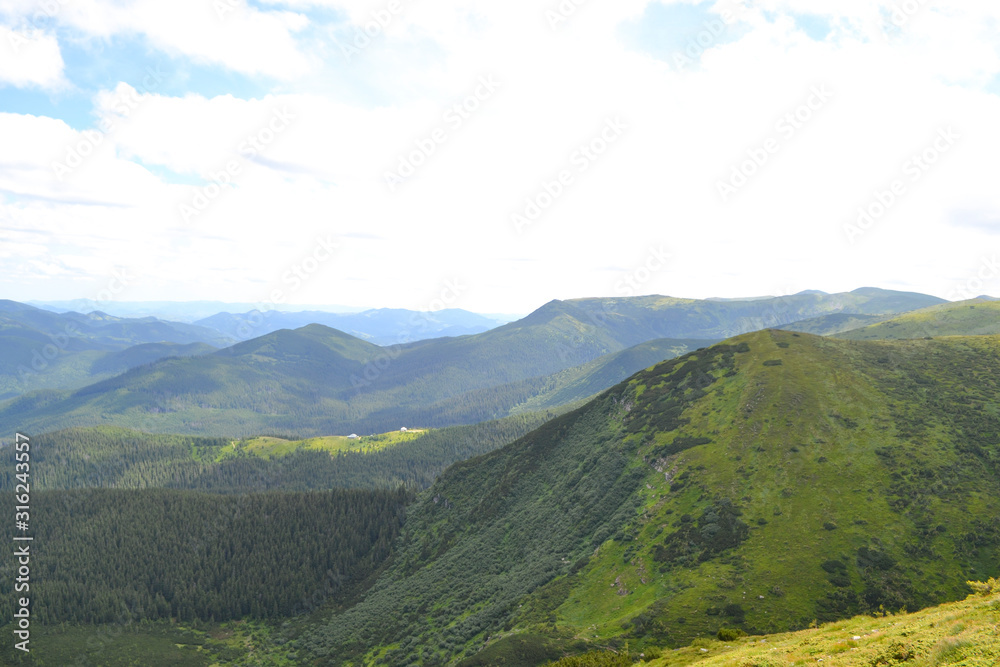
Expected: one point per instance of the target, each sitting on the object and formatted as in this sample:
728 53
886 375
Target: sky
493 156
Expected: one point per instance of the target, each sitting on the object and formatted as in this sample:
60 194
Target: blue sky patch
679 33
816 27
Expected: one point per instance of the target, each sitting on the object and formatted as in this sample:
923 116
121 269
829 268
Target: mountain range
640 493
318 380
382 326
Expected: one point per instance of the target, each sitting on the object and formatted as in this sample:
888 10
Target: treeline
101 555
109 457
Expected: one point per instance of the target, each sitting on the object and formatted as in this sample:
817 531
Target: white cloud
218 32
30 58
782 231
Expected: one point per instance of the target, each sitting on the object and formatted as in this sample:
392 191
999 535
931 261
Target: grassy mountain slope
975 317
957 633
759 484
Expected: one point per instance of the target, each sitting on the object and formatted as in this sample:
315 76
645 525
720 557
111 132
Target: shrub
985 588
729 634
734 611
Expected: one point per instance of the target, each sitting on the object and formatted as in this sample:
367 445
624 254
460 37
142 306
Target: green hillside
975 317
760 485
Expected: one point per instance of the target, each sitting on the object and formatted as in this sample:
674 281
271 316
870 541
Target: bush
734 611
729 634
986 588
833 566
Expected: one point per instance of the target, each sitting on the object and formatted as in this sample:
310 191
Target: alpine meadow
370 333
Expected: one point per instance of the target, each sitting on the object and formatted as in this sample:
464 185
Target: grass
270 447
958 633
963 318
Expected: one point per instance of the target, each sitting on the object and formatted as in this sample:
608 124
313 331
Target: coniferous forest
104 555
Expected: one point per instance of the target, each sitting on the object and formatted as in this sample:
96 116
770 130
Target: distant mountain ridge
318 380
382 326
41 349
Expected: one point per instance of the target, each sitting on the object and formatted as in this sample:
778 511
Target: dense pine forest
102 555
